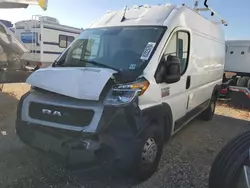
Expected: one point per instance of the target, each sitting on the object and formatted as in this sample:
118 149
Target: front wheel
148 153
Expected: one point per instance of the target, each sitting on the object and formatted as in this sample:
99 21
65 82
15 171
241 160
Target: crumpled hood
81 83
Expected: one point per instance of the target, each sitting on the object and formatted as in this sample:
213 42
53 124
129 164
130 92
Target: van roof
137 15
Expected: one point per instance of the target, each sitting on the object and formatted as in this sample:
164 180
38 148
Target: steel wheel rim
149 151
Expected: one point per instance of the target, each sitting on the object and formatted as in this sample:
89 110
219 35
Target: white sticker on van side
148 50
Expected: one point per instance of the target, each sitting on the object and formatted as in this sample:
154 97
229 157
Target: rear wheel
208 114
230 168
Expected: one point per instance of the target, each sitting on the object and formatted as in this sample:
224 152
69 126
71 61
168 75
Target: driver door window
179 46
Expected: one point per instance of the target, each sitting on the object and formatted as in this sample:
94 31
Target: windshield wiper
57 64
101 65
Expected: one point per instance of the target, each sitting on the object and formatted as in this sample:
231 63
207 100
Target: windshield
118 48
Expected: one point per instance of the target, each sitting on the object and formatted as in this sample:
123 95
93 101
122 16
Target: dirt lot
185 163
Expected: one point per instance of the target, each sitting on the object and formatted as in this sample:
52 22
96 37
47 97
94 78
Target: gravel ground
185 162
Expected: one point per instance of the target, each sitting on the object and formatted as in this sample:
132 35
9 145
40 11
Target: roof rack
207 8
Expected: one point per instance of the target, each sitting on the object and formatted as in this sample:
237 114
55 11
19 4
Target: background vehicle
45 38
237 68
10 52
131 80
11 49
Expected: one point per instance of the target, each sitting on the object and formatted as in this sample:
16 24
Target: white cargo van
131 80
237 67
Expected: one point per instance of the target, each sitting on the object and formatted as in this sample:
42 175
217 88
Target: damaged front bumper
111 140
57 143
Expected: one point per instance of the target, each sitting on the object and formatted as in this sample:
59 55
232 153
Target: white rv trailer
10 48
46 39
129 81
237 67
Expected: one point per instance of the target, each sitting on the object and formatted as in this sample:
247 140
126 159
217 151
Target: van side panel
207 58
206 64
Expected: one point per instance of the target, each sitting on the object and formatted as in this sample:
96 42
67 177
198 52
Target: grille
60 114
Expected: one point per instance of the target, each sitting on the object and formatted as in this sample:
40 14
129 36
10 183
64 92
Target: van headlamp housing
124 94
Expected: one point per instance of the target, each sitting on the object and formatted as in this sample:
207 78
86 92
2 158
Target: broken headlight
123 94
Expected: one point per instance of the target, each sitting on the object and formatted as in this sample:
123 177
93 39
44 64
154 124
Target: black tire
208 114
144 172
140 170
242 82
227 166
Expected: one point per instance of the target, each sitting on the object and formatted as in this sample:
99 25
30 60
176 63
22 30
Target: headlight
124 94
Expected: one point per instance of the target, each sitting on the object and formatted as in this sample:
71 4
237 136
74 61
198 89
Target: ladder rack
207 8
35 23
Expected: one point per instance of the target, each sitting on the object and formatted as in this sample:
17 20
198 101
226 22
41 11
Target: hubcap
149 151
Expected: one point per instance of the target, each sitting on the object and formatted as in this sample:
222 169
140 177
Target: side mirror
168 70
173 73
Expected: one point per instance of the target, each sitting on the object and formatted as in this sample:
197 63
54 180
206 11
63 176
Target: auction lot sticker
147 51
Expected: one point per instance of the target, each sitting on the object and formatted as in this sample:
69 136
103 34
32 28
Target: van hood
81 83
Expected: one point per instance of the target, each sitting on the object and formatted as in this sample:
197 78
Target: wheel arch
161 113
216 90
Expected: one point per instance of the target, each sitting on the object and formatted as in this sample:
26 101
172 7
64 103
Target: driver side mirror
169 70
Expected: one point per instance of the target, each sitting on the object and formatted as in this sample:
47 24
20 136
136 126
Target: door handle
188 82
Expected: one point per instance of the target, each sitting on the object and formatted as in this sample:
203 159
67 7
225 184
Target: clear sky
80 13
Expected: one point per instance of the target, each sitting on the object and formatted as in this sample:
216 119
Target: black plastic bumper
67 147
